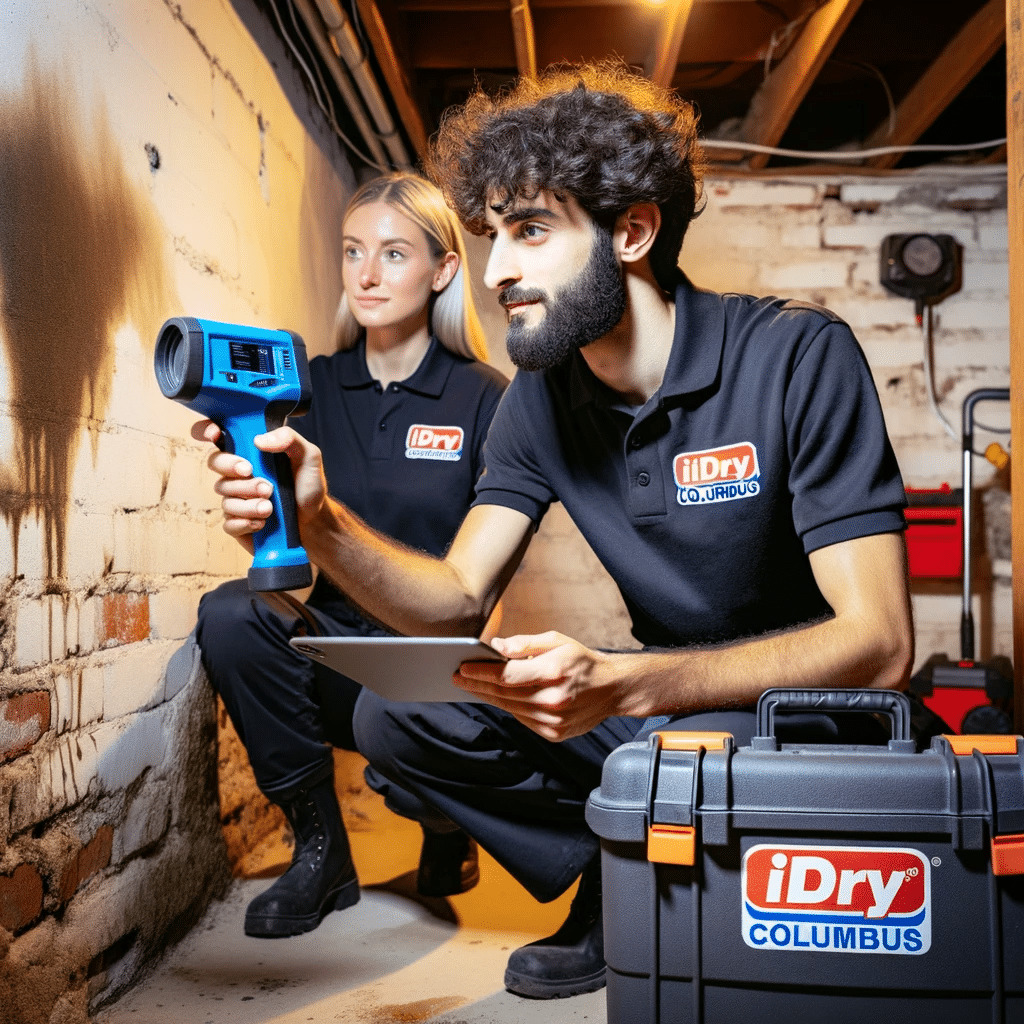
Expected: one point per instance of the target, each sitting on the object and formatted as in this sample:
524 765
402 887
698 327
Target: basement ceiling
821 77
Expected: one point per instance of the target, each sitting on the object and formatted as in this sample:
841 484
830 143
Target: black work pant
288 711
520 796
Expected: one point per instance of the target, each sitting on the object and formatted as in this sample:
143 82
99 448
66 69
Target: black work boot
571 961
448 863
321 877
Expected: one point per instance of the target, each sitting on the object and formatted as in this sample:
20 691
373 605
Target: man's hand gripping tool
247 380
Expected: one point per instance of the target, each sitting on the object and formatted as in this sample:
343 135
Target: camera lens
171 360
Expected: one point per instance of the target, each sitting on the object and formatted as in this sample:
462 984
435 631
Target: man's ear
635 231
446 268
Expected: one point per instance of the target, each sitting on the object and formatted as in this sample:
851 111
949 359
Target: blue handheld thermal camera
247 380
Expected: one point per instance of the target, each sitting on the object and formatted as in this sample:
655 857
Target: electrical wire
313 62
329 114
848 154
930 376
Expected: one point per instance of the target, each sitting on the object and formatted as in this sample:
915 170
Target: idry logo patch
836 899
717 474
440 443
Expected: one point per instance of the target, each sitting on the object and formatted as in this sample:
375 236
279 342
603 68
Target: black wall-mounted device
922 267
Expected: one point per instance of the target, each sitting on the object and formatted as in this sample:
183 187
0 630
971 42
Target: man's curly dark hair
597 132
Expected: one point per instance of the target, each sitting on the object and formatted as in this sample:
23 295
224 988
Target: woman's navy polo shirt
404 458
765 441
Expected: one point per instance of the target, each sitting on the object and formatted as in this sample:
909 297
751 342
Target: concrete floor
394 957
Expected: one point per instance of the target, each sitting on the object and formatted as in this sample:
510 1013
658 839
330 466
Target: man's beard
580 312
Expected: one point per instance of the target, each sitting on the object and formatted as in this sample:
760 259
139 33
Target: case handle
887 702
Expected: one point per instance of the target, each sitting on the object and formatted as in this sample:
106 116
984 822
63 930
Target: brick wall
158 159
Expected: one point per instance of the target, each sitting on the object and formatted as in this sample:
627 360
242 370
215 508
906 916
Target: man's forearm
828 654
409 591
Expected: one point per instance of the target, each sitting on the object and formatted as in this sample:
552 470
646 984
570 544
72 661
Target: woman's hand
245 499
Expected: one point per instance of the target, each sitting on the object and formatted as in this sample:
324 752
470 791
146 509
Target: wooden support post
1015 218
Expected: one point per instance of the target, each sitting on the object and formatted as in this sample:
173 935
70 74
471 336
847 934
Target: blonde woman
410 356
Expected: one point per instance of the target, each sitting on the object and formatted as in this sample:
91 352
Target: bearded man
725 457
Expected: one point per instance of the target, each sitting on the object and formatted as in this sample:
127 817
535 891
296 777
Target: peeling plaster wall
158 158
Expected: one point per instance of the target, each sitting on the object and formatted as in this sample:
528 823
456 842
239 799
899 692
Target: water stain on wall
80 255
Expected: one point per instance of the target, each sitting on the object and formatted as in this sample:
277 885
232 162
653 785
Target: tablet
411 668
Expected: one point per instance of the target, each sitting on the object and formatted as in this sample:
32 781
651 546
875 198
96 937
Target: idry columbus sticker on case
717 474
442 444
837 899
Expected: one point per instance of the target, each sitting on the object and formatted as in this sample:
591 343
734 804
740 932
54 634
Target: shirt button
377 387
383 425
393 387
643 479
636 442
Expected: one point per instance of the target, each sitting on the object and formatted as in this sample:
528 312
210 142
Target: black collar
429 378
693 363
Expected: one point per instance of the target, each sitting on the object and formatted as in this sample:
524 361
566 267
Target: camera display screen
251 357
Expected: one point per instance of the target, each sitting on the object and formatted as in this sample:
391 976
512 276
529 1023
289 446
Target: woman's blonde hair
453 319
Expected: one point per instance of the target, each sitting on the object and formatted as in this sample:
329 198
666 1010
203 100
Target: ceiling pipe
344 84
339 28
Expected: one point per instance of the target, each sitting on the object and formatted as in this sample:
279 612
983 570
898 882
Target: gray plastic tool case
820 884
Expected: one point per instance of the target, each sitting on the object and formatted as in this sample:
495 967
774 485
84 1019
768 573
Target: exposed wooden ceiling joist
776 101
395 73
969 51
661 66
523 36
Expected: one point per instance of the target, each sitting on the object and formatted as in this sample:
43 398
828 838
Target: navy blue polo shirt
765 441
404 458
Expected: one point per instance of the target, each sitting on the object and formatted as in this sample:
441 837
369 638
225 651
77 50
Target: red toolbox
935 523
820 884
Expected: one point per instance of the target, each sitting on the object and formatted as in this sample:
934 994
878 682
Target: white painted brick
869 234
150 543
88 610
224 555
146 821
978 192
172 613
78 698
986 276
184 668
870 191
994 237
958 354
31 633
868 312
751 193
31 550
55 615
722 275
865 276
801 236
133 678
90 543
929 464
976 314
750 235
189 479
819 274
891 352
7 535
125 475
235 122
67 770
129 745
